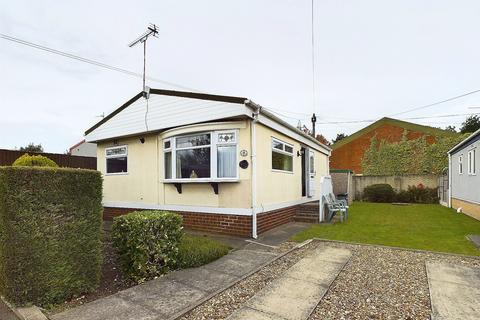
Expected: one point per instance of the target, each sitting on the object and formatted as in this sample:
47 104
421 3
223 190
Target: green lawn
419 226
195 251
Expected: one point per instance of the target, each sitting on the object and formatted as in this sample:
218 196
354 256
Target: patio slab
454 291
475 238
294 295
168 296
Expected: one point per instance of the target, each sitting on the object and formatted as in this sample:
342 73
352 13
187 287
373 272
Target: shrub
404 196
195 251
50 231
421 194
147 242
34 161
379 193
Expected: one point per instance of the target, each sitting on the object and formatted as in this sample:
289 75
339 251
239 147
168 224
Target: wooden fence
7 157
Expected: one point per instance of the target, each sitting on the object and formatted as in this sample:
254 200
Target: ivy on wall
408 156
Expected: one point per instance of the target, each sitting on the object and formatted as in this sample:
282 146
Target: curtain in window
226 161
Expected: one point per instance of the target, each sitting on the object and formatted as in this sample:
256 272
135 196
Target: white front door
311 173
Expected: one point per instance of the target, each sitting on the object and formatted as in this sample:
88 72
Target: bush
195 251
50 232
379 193
404 197
421 194
34 161
147 242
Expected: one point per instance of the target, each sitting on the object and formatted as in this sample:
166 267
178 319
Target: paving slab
294 295
454 291
240 262
475 238
203 278
167 296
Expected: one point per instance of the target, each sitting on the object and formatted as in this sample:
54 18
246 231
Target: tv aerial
151 31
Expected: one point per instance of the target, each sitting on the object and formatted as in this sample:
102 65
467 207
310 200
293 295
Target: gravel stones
377 283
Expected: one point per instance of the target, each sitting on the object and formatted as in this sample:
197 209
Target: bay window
282 156
206 155
116 160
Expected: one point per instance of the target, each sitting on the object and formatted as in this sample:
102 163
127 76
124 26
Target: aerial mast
151 31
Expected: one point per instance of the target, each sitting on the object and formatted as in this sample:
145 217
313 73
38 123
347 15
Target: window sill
200 180
117 174
282 171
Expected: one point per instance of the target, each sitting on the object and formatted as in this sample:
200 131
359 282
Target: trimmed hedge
34 161
147 242
382 192
414 194
50 233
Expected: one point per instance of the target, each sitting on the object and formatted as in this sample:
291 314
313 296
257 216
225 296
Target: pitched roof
471 138
211 97
394 122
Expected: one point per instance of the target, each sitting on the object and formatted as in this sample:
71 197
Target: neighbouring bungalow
463 164
348 152
224 163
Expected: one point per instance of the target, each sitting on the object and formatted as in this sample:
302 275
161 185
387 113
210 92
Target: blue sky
373 59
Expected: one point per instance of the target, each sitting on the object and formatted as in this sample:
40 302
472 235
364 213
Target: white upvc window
472 166
460 164
209 156
282 156
116 160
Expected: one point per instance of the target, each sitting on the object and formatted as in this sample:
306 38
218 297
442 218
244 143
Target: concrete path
475 238
454 291
168 296
296 294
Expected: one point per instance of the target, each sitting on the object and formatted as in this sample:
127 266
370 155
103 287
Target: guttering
253 142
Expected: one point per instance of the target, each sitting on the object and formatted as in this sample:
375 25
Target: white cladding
162 112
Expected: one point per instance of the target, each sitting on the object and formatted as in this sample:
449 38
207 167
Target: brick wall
207 222
468 208
223 223
272 219
350 155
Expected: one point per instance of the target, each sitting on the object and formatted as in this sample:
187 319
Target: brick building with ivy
348 152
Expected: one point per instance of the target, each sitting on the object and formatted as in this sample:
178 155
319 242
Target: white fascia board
292 134
465 141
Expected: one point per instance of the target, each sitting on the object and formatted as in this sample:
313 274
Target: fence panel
7 157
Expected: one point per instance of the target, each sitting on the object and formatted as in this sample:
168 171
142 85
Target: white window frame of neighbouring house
282 149
116 153
471 160
460 164
221 147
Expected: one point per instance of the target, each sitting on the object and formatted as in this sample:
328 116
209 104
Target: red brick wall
208 222
350 155
272 219
223 223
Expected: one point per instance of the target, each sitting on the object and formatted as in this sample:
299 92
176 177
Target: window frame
214 144
282 151
116 156
471 162
460 164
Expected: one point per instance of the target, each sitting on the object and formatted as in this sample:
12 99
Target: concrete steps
308 212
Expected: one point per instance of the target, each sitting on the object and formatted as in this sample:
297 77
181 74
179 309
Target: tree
451 129
32 147
339 137
471 124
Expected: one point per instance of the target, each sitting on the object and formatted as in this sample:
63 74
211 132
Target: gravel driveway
377 283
